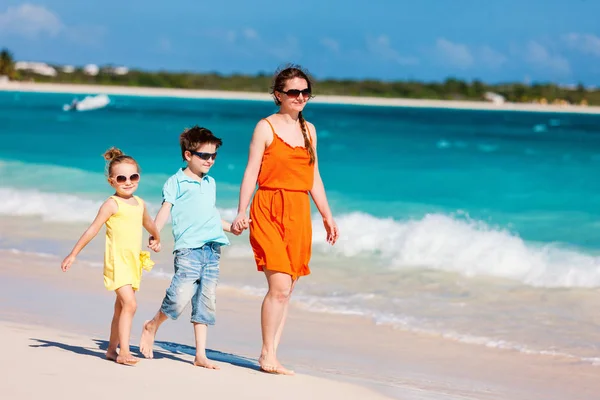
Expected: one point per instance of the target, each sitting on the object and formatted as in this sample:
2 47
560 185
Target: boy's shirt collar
182 177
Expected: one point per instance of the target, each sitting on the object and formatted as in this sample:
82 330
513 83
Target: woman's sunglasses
122 178
295 93
205 156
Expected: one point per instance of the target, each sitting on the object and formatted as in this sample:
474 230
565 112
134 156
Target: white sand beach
232 95
53 344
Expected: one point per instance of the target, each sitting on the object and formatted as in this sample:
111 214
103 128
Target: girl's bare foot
272 366
127 359
205 363
111 354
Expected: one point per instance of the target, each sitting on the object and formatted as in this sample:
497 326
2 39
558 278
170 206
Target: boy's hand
154 244
67 262
235 230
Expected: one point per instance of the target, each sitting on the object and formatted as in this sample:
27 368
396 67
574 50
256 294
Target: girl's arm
320 198
159 222
261 135
107 209
150 226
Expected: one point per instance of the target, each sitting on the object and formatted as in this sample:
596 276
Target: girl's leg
272 312
126 296
113 342
284 317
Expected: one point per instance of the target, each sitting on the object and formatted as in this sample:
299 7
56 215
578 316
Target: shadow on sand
171 350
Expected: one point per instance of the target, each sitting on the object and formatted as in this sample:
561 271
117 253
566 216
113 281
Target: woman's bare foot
147 340
127 359
272 366
111 354
205 363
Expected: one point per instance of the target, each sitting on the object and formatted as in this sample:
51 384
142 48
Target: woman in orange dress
283 161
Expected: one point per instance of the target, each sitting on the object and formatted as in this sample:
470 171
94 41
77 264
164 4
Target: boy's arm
107 209
163 215
226 226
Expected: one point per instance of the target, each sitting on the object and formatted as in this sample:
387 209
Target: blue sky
496 41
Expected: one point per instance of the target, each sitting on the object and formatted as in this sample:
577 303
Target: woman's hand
332 230
240 222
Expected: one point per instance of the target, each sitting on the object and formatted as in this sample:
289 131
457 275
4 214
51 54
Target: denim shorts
195 279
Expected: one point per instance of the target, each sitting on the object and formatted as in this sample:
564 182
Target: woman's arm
108 208
320 197
258 144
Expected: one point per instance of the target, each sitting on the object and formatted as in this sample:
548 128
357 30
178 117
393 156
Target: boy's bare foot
112 355
127 359
272 366
147 340
205 363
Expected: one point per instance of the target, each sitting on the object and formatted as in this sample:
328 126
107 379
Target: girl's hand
333 232
67 262
153 244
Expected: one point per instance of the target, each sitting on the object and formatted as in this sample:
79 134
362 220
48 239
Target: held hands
67 262
153 244
332 230
240 223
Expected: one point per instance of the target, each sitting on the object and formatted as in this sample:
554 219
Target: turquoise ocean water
448 217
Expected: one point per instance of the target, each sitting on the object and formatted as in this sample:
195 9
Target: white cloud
455 54
381 47
330 44
164 45
585 43
30 21
250 34
491 57
540 57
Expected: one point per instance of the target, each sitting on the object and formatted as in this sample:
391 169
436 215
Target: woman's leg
272 312
126 296
113 342
284 317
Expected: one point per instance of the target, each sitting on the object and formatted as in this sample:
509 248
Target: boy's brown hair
196 136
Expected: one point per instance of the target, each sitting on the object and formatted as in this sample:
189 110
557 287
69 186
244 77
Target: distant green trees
450 89
7 64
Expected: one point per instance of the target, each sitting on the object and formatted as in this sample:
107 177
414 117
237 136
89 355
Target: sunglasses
122 178
205 156
295 93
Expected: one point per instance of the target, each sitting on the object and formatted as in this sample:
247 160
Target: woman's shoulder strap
271 125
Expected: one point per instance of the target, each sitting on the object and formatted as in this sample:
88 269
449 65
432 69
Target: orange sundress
281 227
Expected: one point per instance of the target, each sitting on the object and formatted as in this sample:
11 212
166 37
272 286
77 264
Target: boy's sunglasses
122 178
295 93
205 156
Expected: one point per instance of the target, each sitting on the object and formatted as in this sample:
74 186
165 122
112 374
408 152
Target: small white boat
88 103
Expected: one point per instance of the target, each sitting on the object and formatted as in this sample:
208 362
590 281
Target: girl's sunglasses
295 93
205 156
122 178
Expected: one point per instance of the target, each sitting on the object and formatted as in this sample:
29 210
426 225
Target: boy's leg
126 296
113 342
204 303
149 333
200 331
178 295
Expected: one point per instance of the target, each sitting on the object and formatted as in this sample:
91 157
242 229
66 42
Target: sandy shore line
67 317
232 95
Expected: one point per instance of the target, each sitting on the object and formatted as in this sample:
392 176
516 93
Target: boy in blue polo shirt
189 197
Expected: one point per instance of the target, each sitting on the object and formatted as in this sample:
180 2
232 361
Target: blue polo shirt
194 215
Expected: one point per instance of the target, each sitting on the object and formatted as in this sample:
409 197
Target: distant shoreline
323 99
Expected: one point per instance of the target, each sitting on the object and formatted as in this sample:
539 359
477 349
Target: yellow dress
122 264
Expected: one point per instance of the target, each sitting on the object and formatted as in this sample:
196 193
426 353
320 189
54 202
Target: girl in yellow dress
124 215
